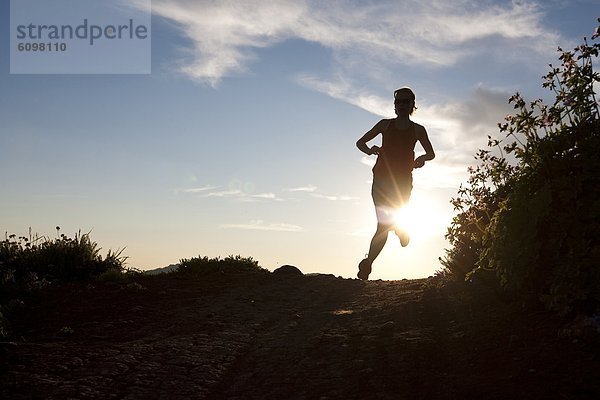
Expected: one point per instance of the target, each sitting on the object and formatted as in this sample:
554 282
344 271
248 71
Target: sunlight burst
421 219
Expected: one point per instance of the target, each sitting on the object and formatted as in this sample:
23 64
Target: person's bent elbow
362 146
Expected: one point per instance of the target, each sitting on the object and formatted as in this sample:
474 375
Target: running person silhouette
392 173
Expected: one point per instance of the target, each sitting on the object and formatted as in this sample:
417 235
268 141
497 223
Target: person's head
404 100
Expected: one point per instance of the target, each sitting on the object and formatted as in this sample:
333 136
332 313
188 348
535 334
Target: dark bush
534 221
204 265
27 261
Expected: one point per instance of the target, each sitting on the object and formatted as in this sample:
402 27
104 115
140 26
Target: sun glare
421 219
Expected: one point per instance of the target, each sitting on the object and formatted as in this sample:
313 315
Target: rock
288 270
388 326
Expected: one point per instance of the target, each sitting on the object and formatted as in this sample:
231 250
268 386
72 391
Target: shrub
231 263
535 221
35 260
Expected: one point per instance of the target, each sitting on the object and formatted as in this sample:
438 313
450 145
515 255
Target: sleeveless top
397 154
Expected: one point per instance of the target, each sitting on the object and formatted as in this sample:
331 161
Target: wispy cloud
311 191
209 191
463 124
240 195
224 35
260 225
309 188
201 189
225 193
369 161
343 89
243 196
269 195
333 197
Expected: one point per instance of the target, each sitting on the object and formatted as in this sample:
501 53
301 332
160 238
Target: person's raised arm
429 153
370 135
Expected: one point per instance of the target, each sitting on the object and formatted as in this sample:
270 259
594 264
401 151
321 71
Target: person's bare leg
403 236
378 241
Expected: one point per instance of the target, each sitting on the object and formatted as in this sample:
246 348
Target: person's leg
380 199
403 236
404 192
378 241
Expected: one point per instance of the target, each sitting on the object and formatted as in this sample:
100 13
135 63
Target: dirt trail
263 336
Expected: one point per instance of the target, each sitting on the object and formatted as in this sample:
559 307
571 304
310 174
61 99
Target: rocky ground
285 336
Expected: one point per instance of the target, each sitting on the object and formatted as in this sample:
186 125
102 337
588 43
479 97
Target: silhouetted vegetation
35 260
205 265
529 215
27 263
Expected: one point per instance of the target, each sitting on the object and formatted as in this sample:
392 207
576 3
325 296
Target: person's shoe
364 269
403 236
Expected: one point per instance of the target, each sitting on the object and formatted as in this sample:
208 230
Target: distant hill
163 270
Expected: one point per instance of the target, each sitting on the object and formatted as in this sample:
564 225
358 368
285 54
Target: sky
241 140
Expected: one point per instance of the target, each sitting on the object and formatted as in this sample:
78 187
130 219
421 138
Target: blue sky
241 140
